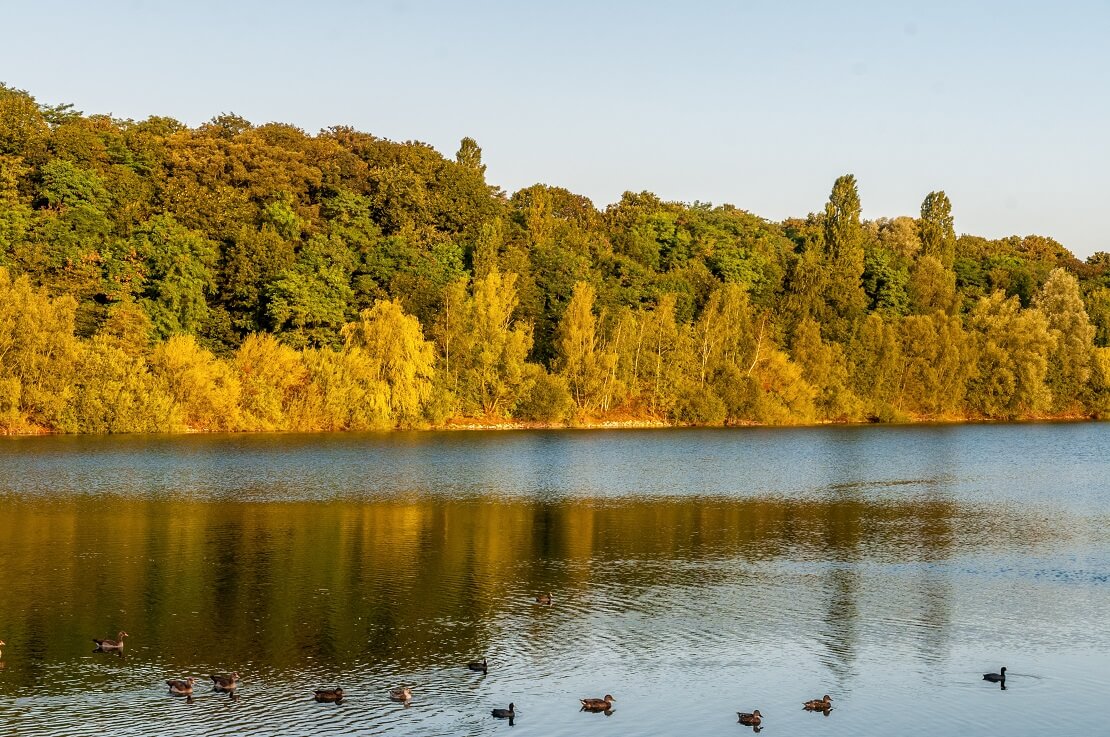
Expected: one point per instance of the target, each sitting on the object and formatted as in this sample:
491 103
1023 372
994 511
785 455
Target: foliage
159 277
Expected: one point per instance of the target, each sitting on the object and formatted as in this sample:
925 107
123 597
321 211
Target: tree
581 361
485 348
937 229
844 251
1069 365
178 266
1011 346
405 361
37 351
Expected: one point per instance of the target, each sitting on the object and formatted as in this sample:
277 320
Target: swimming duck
598 704
544 599
328 695
819 704
754 719
181 687
225 683
995 677
401 693
505 713
106 645
479 665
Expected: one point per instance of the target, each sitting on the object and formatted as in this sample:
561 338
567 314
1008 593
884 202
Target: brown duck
229 682
479 665
544 599
598 704
753 719
401 693
328 695
106 645
819 704
179 687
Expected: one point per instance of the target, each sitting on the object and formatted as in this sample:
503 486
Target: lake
694 573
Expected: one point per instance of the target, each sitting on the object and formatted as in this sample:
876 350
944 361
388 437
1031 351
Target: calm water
695 573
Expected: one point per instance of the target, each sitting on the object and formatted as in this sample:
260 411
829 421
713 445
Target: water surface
695 573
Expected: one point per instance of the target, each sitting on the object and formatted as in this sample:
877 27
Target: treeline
156 277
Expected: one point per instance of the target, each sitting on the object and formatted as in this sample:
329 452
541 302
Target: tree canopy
231 276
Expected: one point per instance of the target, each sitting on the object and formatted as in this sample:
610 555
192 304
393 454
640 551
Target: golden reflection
277 583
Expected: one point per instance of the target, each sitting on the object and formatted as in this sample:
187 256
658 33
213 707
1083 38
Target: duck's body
181 687
116 644
544 599
505 713
995 677
401 693
328 695
478 665
819 704
598 704
752 719
225 683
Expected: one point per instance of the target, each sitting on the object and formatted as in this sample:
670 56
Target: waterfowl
819 704
116 644
505 713
995 677
225 683
181 687
328 695
401 693
479 665
754 719
598 704
544 599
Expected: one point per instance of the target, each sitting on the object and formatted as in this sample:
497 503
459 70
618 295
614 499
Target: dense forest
157 277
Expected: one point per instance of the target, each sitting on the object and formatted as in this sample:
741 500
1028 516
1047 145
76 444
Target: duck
479 665
505 713
401 693
179 687
225 683
328 695
544 599
598 704
819 704
995 677
753 719
106 645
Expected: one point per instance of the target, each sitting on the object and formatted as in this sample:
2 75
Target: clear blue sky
1004 105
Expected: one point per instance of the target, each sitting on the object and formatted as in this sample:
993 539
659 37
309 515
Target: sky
1003 105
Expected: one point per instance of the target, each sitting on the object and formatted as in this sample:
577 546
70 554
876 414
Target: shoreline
480 425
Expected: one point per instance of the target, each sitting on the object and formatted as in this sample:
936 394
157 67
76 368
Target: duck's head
827 698
190 680
235 675
608 698
339 692
1003 671
122 635
756 713
512 707
2 643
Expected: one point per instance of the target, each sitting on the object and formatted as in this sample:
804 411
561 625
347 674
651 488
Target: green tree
844 251
937 229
